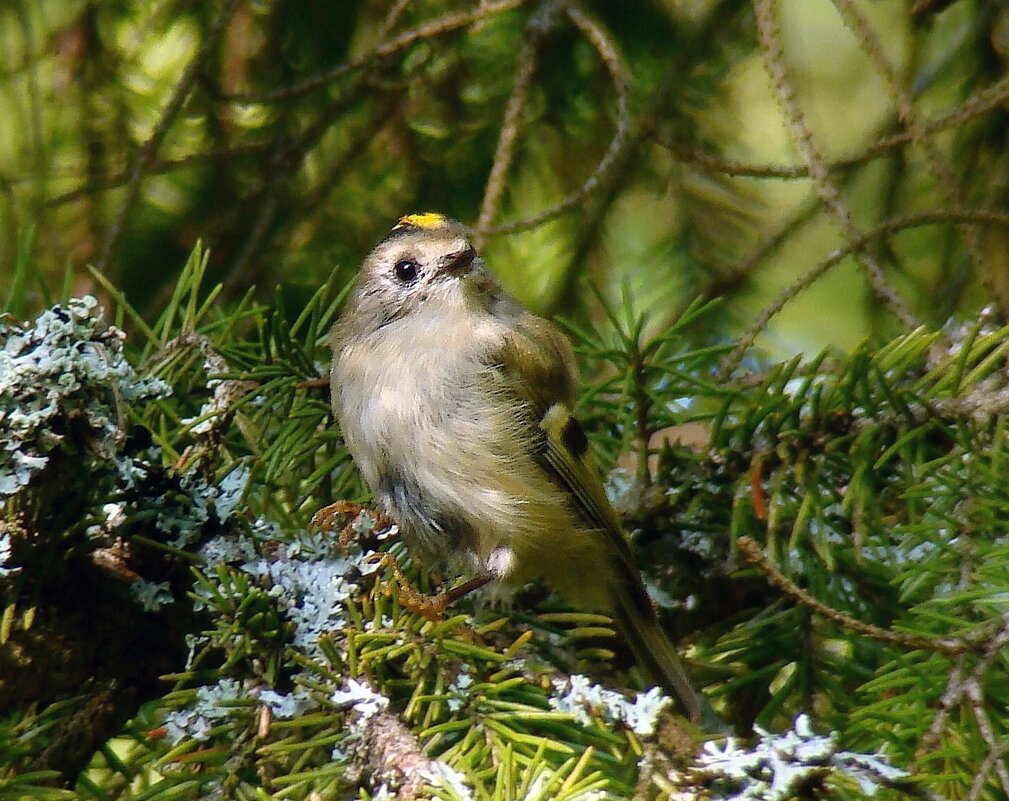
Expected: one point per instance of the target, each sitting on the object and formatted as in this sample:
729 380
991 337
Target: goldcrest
455 403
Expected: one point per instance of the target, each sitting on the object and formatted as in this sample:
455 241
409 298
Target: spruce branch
939 168
388 754
980 217
142 160
755 556
440 26
621 79
771 47
537 28
975 696
161 166
960 684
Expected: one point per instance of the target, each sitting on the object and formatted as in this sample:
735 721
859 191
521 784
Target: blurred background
638 145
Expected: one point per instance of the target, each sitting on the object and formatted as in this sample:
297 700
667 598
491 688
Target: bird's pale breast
445 445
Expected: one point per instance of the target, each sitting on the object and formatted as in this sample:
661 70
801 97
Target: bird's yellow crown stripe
427 220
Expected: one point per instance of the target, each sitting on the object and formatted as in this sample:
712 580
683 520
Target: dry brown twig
159 167
392 18
142 162
984 771
771 47
979 103
607 49
536 31
428 30
958 686
819 170
976 105
148 151
755 556
961 685
916 127
975 696
960 216
387 754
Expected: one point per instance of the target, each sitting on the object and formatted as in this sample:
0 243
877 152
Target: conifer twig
976 698
392 17
606 47
946 180
536 29
892 226
142 160
388 754
958 686
428 30
802 136
755 556
158 167
994 755
974 106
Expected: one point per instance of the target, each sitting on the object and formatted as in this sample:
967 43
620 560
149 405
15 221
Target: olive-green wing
539 363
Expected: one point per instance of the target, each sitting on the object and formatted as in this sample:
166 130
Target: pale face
433 268
412 262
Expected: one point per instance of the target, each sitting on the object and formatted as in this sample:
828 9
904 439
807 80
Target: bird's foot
329 518
431 607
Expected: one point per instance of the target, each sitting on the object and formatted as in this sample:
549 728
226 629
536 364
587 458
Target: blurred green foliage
288 136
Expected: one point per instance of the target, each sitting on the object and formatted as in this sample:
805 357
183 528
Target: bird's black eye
406 270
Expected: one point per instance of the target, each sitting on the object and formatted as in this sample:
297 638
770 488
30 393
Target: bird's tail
636 617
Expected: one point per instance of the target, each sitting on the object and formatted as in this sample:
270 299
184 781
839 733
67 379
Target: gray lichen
578 696
778 765
66 362
309 578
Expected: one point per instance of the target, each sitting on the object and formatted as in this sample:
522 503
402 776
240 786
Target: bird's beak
458 262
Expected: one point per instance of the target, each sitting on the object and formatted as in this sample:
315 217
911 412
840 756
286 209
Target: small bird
455 403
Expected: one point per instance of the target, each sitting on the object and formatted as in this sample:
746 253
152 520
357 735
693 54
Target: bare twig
607 49
741 169
388 108
388 754
147 152
902 99
976 698
159 167
267 194
958 686
241 272
770 42
985 769
756 557
958 216
392 18
980 103
289 154
977 104
749 264
436 27
536 30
